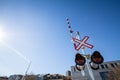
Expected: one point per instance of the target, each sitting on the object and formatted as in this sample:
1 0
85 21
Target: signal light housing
79 68
79 59
97 58
94 66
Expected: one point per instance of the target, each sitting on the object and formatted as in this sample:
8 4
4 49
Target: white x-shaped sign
81 43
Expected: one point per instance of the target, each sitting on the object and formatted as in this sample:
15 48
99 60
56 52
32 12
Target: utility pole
23 78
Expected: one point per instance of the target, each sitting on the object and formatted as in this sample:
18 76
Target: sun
2 34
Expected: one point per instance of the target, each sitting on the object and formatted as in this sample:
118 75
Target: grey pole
23 78
87 61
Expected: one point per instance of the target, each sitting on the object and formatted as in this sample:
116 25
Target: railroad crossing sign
81 43
92 61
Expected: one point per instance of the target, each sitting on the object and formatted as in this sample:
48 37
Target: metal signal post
87 60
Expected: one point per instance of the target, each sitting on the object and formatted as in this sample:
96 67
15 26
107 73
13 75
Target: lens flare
16 51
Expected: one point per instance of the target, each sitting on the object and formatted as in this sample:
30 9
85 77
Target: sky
36 31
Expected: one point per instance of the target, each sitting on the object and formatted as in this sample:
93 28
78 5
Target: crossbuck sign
81 43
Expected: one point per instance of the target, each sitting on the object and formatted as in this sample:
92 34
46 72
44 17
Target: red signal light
96 57
79 59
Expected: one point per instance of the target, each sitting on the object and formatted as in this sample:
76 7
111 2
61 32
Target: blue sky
37 30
